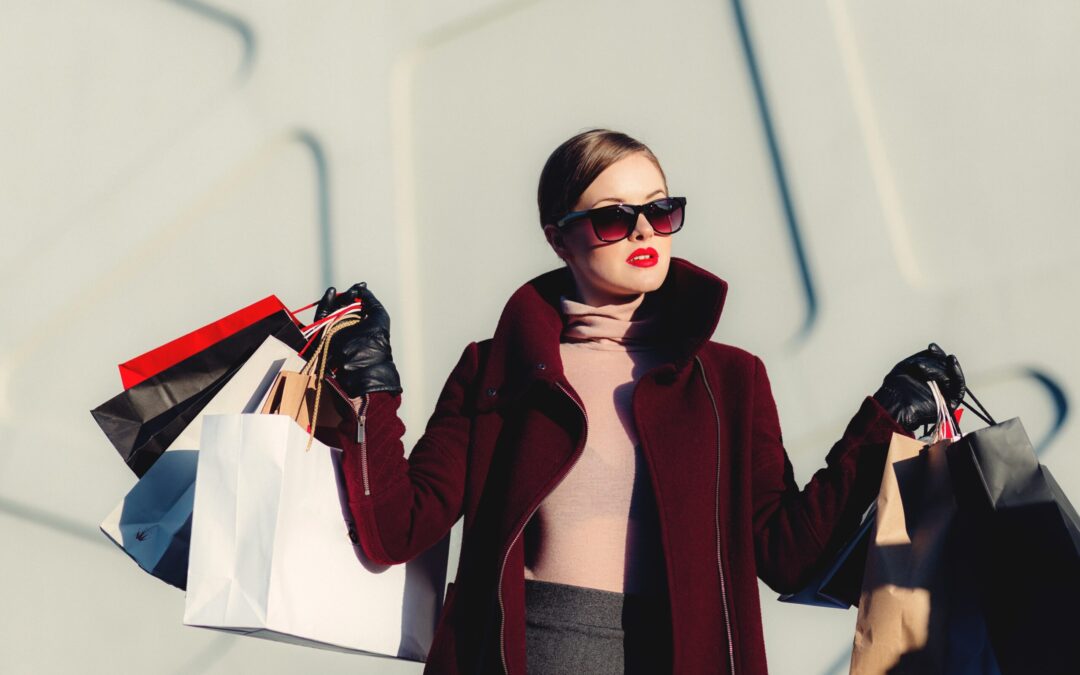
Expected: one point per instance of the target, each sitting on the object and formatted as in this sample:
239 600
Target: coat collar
525 347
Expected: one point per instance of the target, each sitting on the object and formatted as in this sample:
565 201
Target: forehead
633 179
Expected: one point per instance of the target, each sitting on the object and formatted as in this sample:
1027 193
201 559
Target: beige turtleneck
598 528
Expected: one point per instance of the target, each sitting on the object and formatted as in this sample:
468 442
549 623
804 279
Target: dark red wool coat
508 426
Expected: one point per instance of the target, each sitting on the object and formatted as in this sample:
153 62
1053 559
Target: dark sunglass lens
665 216
611 223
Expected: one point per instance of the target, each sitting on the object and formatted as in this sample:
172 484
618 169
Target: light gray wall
867 176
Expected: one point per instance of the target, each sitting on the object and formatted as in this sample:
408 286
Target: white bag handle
946 426
316 326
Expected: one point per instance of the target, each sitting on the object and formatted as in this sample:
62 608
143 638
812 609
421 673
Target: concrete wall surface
867 176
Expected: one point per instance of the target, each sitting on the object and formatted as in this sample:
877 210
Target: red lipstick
651 259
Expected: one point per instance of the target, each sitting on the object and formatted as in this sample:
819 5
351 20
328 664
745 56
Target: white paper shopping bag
271 553
152 523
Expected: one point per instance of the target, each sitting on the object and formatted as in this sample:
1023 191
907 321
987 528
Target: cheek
581 243
593 260
608 260
662 245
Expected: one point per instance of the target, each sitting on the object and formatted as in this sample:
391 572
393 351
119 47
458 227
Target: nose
642 229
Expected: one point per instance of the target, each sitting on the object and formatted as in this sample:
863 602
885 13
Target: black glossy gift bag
142 421
1023 540
840 583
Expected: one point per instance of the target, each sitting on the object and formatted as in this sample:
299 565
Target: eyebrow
616 199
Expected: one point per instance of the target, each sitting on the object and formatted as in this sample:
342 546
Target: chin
631 281
646 281
651 278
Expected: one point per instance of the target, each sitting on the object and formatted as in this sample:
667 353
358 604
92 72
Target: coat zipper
360 410
719 563
361 438
521 528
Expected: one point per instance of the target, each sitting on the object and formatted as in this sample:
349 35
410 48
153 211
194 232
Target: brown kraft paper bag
300 395
902 624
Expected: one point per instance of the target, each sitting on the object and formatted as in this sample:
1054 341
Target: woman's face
603 270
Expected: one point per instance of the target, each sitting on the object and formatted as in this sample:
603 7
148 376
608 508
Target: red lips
652 259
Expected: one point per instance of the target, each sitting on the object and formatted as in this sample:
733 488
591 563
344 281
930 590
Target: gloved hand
361 353
905 394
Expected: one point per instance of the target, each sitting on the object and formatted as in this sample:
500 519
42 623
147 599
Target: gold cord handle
319 359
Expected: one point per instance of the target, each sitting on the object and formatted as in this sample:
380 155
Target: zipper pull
360 410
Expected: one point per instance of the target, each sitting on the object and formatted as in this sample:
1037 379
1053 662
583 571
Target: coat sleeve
795 531
401 506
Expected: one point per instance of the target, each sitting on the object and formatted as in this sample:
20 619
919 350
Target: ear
557 241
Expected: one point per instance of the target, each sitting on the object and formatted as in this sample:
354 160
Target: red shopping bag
171 353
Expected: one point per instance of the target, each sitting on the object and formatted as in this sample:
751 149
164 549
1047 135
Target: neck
623 323
623 307
595 299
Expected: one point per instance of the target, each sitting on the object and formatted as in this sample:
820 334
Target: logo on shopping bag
142 535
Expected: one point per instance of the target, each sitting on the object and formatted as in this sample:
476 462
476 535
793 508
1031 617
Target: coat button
491 391
541 365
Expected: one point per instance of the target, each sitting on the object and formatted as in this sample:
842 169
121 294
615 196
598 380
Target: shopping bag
299 394
902 622
271 554
1024 539
169 354
840 584
142 421
152 524
246 391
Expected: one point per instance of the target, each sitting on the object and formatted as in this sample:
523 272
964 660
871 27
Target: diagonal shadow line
322 186
77 305
1061 406
402 83
464 25
231 21
58 228
780 174
53 521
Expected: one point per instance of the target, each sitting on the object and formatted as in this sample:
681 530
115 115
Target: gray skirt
577 630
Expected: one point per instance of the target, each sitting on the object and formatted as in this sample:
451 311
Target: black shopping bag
142 421
1023 542
840 583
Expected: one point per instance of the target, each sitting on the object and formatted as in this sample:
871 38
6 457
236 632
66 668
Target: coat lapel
538 426
523 379
525 346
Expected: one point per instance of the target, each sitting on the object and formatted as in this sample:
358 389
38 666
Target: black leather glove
361 353
905 394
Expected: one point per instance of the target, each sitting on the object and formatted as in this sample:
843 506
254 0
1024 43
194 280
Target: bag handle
315 326
946 425
974 406
312 329
319 359
984 415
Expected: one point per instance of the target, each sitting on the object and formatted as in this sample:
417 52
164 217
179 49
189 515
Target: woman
621 476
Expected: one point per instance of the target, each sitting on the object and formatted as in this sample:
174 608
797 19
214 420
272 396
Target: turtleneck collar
628 325
526 339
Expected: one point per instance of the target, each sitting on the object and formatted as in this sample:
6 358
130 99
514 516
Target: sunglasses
616 222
